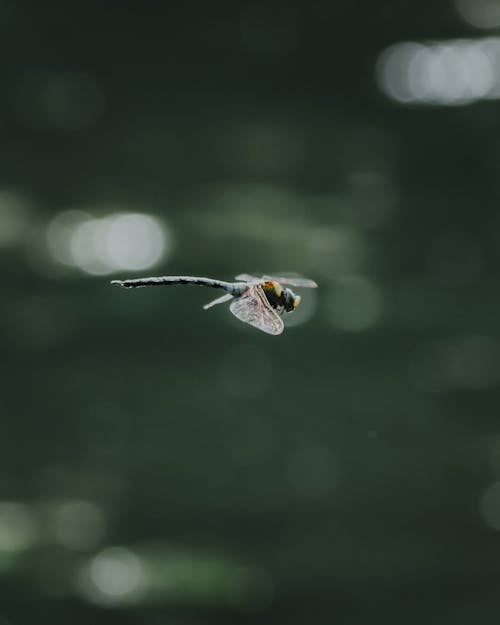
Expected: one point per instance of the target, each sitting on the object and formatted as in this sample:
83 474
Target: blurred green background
164 465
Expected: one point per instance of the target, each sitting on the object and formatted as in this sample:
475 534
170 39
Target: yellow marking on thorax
272 285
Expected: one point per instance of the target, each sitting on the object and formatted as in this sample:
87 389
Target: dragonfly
260 302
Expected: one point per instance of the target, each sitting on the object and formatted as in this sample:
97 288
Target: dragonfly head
291 301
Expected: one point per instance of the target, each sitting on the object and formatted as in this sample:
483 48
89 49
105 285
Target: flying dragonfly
259 302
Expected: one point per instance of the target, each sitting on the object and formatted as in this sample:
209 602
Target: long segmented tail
166 280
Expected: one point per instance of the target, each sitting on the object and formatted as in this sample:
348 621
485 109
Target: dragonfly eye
290 300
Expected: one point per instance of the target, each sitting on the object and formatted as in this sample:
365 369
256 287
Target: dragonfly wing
300 282
246 277
252 307
219 300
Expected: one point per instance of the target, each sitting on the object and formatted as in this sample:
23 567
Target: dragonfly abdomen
235 288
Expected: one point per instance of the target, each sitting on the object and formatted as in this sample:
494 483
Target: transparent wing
246 277
252 307
219 300
303 282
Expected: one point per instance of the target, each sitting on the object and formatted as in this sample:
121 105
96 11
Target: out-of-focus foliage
162 464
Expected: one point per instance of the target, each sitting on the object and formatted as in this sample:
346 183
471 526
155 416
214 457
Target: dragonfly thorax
279 298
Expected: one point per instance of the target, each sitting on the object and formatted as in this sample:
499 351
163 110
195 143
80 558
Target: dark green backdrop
163 465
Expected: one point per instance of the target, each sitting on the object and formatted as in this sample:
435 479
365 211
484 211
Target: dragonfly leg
219 300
